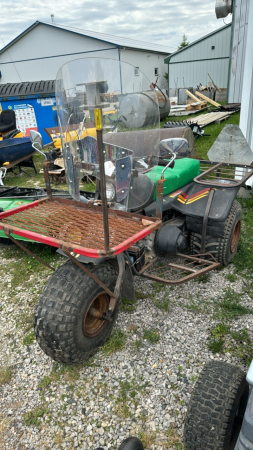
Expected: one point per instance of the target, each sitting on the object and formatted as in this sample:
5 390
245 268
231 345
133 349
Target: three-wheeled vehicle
150 201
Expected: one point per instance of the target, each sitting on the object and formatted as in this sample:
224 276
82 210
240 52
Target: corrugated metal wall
209 55
239 35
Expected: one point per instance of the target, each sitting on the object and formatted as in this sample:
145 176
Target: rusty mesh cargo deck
76 226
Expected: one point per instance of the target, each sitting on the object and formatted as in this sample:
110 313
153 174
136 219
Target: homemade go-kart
150 200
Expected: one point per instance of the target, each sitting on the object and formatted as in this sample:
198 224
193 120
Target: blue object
15 148
31 100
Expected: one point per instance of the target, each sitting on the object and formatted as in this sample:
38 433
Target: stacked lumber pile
216 116
206 119
198 104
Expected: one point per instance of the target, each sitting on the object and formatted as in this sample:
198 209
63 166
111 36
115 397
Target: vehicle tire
131 443
216 408
223 249
64 327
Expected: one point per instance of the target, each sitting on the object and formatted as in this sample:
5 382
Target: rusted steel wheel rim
92 325
235 236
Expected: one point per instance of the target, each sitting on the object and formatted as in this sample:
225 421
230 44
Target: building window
156 71
213 47
136 71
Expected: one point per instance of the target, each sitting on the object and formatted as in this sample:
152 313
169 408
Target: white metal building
39 52
191 65
240 86
240 16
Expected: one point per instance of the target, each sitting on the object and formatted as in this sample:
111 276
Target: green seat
183 172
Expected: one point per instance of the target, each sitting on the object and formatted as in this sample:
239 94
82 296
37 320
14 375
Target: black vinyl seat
7 120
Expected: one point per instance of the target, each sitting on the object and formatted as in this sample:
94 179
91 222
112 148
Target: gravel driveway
142 389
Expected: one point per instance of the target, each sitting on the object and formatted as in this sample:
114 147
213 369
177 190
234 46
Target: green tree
184 42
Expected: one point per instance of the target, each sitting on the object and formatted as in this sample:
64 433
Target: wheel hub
94 322
235 236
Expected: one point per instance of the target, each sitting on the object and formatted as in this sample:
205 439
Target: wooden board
207 99
206 119
192 96
197 105
185 112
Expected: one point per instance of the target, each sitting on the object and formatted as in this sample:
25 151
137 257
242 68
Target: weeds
173 439
3 426
58 438
27 266
29 339
34 417
238 343
127 305
205 278
127 393
5 375
216 345
220 330
116 342
137 344
60 372
147 437
163 304
158 287
232 277
151 335
243 260
230 307
139 295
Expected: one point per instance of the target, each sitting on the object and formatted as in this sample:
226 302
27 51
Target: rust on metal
17 242
235 236
176 273
76 226
222 174
47 179
94 312
94 321
159 198
103 188
205 220
84 268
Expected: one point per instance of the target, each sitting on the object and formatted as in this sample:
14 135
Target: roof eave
167 59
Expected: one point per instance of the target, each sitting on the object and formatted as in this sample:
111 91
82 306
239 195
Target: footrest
179 269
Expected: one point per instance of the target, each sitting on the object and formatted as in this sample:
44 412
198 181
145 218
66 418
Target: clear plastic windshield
131 128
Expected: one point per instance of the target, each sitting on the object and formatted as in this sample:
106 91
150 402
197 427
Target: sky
161 21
